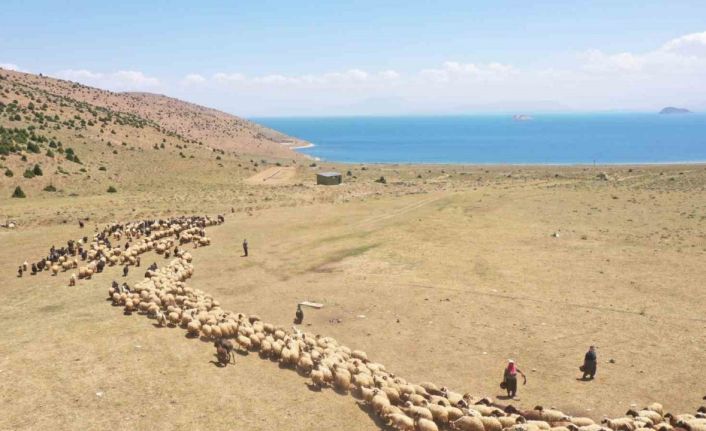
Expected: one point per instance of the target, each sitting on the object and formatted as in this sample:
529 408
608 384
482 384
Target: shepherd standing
590 363
510 378
245 248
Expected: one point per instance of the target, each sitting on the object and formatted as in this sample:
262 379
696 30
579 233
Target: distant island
673 110
521 117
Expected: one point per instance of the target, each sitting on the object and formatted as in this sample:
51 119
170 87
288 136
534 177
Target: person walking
245 248
299 315
510 378
590 364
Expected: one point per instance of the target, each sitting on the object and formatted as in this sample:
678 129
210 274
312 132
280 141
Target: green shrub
50 188
112 189
9 173
29 173
37 171
33 148
102 168
18 193
50 153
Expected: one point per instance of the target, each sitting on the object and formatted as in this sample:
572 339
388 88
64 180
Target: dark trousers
511 385
589 369
245 250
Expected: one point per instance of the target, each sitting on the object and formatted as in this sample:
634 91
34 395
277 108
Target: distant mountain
673 110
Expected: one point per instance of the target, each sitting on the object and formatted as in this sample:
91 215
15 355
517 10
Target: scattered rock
603 176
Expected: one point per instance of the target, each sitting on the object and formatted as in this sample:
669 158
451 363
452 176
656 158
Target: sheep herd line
164 295
91 256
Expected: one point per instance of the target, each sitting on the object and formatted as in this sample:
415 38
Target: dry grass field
441 274
437 285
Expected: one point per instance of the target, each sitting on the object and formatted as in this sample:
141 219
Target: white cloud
348 77
693 44
679 56
454 71
193 79
232 77
122 80
10 66
389 75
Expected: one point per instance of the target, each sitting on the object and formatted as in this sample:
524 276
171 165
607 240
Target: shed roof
329 174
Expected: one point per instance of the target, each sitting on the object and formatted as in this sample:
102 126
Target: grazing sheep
582 421
620 424
467 423
550 415
317 377
193 327
422 424
491 423
379 402
72 280
656 407
342 378
400 422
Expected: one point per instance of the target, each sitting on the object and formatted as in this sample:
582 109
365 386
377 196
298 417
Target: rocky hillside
192 122
62 136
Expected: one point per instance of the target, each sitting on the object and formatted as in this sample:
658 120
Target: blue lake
545 139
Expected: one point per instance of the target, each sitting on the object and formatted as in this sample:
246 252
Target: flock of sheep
165 296
405 406
104 248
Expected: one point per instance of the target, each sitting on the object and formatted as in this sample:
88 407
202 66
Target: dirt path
275 175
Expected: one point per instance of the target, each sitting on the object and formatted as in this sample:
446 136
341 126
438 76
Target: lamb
72 280
161 318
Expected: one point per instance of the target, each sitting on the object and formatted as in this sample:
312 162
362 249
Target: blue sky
369 57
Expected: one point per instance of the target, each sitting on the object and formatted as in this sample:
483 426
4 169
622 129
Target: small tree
33 148
18 193
112 189
37 171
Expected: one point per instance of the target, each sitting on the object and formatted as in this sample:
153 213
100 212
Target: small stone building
329 178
